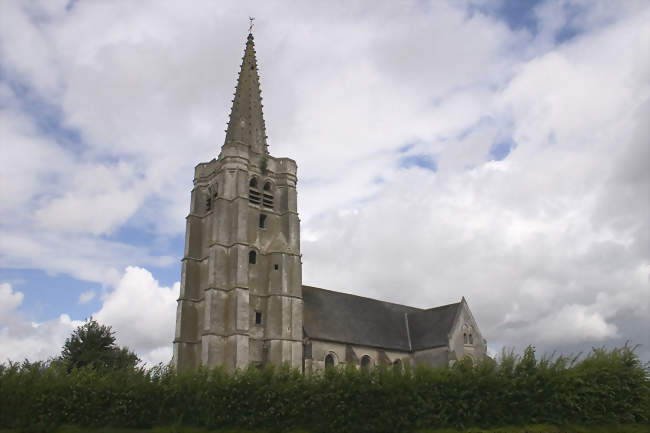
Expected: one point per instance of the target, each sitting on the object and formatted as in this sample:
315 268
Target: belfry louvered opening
267 197
254 194
263 197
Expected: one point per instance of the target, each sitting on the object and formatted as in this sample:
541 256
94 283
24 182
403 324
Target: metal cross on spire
250 27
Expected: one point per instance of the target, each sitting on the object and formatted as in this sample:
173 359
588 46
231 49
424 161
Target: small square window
258 318
276 267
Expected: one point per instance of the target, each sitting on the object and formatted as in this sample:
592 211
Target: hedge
604 387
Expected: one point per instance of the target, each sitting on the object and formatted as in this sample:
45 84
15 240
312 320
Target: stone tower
241 285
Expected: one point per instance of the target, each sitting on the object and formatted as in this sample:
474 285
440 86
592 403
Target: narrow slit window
471 339
208 204
465 340
258 318
262 221
252 257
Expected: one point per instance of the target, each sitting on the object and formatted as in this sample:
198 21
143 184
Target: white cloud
139 310
35 341
86 297
29 161
574 323
22 339
9 301
103 199
52 207
142 313
80 256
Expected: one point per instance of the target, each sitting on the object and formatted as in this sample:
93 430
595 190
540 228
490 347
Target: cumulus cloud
139 311
9 301
142 313
23 339
35 340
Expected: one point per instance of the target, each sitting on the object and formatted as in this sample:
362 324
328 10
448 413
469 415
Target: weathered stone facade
241 283
241 299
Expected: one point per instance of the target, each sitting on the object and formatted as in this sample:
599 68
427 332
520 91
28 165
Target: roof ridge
387 302
365 297
441 306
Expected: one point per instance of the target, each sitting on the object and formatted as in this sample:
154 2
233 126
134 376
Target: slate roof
429 328
345 318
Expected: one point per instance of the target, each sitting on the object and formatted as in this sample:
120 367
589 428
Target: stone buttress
241 285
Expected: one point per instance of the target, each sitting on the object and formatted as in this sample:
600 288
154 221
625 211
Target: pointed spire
246 123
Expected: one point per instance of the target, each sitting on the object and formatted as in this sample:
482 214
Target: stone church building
242 300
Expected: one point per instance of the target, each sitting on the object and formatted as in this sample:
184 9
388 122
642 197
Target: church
242 301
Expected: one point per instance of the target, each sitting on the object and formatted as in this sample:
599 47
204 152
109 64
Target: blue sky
502 144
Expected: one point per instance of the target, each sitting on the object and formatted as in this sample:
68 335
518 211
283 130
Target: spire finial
250 27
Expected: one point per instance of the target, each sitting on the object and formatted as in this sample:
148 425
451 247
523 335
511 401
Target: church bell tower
241 285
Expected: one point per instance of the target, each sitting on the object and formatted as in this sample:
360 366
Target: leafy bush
605 387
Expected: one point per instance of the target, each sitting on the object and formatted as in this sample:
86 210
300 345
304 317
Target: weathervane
250 28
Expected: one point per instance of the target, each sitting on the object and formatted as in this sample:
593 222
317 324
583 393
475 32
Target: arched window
267 196
252 257
366 362
262 223
465 340
254 195
329 361
397 366
471 339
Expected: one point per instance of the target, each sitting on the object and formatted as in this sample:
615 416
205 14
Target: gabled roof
430 328
345 318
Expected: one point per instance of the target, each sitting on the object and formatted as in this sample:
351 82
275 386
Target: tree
94 344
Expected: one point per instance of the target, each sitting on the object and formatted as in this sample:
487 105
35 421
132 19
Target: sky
496 150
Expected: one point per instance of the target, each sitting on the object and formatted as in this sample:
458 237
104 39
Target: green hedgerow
603 387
